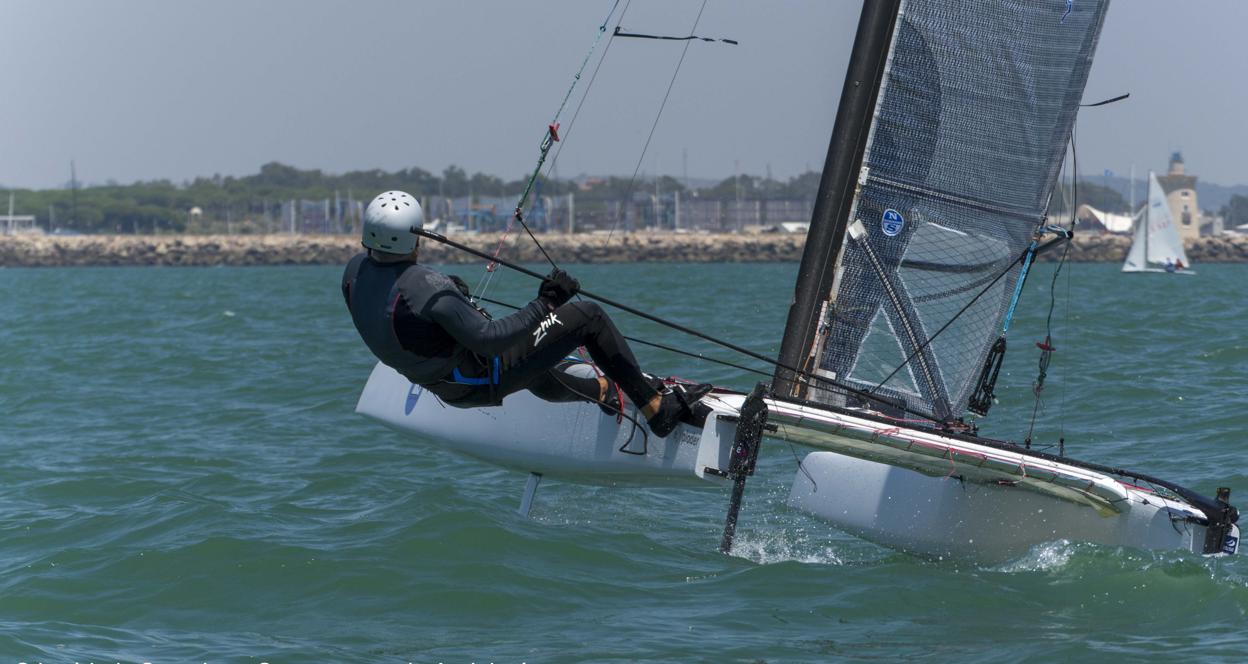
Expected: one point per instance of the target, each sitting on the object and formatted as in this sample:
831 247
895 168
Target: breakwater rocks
83 250
1089 248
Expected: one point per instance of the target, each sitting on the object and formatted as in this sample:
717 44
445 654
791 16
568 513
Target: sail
1135 261
968 134
1164 245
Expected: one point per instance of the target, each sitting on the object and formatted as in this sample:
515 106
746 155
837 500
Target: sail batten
967 137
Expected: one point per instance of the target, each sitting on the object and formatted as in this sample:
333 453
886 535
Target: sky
173 89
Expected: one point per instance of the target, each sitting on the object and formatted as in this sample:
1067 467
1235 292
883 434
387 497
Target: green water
184 480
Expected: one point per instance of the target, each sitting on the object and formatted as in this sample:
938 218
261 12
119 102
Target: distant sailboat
1156 246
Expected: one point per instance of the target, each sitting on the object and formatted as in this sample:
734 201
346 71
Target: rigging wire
1021 257
628 192
554 160
1061 440
1046 347
551 137
1074 198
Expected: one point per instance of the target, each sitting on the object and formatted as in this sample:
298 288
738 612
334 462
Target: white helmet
390 222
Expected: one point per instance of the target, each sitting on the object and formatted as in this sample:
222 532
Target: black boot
671 411
681 403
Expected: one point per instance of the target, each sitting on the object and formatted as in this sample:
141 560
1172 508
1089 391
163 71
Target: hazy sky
145 89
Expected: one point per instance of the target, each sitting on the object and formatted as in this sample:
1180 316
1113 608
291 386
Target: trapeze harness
416 320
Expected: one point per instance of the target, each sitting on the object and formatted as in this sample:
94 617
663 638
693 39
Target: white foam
784 546
1047 557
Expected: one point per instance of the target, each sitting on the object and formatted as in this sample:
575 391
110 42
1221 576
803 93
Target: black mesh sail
969 132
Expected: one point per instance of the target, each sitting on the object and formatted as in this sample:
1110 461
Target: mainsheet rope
675 326
653 344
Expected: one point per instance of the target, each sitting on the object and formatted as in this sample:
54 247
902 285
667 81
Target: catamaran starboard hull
946 517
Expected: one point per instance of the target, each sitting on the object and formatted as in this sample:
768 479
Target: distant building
12 224
1180 191
1091 218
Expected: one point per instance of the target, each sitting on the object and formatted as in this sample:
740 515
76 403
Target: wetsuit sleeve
476 332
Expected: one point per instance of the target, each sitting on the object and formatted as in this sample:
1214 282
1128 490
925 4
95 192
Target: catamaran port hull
916 491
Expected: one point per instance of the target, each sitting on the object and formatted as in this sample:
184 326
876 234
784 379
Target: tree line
163 206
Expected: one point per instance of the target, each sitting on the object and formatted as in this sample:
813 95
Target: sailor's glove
557 288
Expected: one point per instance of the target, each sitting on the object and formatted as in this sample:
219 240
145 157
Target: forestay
969 132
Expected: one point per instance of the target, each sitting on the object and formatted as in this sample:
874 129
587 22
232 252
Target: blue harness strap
491 379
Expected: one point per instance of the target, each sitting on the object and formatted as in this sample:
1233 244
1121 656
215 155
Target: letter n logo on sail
892 222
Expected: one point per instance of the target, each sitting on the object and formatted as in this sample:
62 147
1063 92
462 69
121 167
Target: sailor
421 323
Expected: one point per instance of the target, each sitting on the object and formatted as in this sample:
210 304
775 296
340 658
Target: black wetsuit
417 321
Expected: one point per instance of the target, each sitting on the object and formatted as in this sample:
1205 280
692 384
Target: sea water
184 480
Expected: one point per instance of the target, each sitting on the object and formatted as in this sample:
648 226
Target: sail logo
413 395
1230 544
544 327
892 222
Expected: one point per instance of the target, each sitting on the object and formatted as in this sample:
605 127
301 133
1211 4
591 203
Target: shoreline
242 250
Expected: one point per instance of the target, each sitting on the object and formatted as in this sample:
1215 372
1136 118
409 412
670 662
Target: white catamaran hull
948 517
915 491
574 441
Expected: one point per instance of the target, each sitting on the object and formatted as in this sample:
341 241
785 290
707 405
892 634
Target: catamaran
947 145
1156 246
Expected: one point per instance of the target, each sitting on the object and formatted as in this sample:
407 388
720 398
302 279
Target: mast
836 186
1148 207
1132 207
